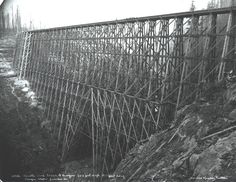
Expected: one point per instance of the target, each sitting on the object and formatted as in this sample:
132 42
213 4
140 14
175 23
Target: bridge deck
187 14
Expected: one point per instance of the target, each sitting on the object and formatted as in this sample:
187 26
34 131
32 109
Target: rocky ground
200 146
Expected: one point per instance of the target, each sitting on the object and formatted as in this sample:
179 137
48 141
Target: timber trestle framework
118 82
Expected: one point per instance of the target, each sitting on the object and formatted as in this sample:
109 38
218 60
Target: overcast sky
69 12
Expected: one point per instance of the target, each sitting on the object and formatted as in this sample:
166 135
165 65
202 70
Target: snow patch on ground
20 88
29 94
5 65
21 83
10 73
7 74
24 91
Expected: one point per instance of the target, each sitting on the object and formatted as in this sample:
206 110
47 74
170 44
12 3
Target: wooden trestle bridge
118 82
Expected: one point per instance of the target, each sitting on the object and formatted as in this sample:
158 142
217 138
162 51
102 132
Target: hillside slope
25 146
200 146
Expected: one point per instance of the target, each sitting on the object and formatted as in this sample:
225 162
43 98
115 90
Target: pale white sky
69 12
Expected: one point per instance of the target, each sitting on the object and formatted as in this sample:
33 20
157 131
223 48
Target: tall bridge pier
116 83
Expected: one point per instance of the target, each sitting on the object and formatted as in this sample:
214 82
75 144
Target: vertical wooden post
178 50
24 58
232 43
212 46
63 67
208 62
93 134
225 48
192 52
166 61
183 71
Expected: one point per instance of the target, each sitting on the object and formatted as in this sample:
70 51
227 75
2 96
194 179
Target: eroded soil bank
25 147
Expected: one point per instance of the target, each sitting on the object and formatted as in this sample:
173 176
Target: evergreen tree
193 7
213 4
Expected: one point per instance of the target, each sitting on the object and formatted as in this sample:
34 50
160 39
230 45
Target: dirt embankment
200 146
25 147
26 144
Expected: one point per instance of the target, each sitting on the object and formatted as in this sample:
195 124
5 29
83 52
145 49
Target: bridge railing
118 82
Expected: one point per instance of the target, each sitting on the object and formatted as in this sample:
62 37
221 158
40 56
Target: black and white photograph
117 90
